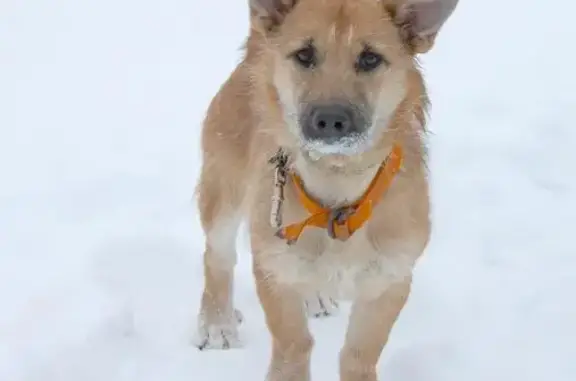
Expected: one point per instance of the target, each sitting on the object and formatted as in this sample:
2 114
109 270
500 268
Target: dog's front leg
369 327
287 323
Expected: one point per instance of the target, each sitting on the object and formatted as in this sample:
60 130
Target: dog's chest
359 266
344 269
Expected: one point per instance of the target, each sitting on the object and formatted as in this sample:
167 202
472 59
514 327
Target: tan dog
335 85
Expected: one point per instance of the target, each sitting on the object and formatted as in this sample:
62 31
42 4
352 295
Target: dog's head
340 68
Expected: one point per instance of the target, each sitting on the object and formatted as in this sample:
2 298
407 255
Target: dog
318 140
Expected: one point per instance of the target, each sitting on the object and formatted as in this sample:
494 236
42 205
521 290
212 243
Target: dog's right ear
420 20
269 14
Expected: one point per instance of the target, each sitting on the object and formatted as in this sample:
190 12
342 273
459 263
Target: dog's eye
306 57
368 61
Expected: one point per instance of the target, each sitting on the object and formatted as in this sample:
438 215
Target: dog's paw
220 334
321 305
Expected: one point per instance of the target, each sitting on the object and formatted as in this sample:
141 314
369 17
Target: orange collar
342 222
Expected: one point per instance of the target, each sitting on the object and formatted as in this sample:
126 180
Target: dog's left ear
421 20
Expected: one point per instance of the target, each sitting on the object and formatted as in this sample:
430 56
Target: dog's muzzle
331 123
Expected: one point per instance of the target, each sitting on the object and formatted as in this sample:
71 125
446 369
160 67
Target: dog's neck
333 185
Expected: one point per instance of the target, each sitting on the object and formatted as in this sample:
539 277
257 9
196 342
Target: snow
100 247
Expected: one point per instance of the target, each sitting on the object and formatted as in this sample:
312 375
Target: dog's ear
269 14
421 20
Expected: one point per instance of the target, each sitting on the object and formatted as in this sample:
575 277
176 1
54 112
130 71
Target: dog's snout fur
332 122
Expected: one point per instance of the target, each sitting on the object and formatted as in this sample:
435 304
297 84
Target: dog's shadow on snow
420 362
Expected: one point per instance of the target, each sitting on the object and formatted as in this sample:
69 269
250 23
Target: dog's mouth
350 145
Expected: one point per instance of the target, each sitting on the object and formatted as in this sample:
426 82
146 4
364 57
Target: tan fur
252 115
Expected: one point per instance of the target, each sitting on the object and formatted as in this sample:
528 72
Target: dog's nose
330 122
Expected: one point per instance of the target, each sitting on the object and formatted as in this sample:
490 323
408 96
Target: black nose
330 122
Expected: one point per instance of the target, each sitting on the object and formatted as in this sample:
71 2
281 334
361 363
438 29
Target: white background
101 103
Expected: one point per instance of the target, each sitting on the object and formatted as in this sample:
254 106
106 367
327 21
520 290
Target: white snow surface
101 103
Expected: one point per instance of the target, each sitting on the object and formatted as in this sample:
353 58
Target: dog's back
227 133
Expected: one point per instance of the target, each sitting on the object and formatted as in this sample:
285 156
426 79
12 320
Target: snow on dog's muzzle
333 128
